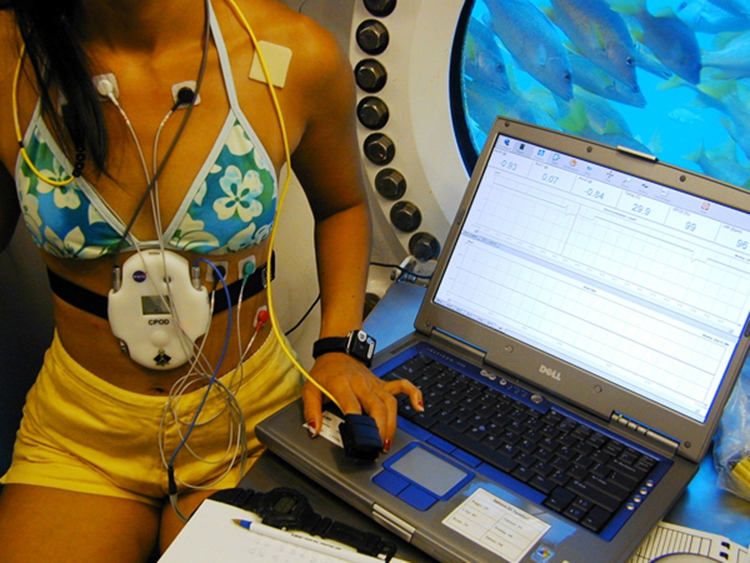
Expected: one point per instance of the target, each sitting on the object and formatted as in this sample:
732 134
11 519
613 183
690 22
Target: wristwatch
358 344
289 509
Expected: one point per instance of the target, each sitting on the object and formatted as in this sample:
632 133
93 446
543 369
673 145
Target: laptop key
524 459
406 410
613 448
479 449
597 439
522 473
596 519
607 488
593 494
560 478
526 446
601 456
445 417
508 450
476 433
577 472
559 499
622 480
423 420
646 463
632 472
574 513
542 484
541 468
560 463
600 470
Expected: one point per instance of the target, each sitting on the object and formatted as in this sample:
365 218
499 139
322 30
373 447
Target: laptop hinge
637 154
400 527
443 338
645 433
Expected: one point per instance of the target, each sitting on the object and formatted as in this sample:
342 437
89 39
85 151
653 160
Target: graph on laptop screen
645 286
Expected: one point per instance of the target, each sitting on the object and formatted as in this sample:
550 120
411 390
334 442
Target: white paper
667 538
210 536
497 525
330 428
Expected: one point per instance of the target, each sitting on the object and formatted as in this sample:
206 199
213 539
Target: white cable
205 372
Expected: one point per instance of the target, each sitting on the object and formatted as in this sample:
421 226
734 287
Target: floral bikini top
230 205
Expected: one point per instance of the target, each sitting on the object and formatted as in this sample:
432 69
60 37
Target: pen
311 544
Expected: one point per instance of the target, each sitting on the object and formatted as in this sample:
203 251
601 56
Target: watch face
284 504
361 346
285 509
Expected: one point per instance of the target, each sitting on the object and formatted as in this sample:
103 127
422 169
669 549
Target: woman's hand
357 390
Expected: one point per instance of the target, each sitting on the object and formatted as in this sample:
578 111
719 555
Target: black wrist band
330 344
357 344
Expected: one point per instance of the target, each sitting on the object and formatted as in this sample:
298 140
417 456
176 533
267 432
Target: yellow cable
19 136
741 472
271 309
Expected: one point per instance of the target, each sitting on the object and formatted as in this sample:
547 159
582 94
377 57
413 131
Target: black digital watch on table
289 509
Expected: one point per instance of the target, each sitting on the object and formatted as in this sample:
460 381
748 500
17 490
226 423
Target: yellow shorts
83 434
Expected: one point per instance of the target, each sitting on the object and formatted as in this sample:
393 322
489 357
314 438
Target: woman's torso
145 80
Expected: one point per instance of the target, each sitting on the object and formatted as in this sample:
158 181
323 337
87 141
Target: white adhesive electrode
106 85
277 59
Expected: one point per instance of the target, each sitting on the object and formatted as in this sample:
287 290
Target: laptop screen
643 285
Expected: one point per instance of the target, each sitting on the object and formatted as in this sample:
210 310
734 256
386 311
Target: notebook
583 329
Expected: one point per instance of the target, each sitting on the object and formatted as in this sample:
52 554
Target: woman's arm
328 164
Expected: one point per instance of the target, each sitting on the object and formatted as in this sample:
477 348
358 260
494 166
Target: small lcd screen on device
155 305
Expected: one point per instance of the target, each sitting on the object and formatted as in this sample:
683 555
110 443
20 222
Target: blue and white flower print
229 210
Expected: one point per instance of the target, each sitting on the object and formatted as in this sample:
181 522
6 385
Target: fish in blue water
705 17
592 112
673 42
534 43
684 115
646 60
591 77
739 7
483 60
599 34
733 59
483 103
722 164
733 99
578 123
483 106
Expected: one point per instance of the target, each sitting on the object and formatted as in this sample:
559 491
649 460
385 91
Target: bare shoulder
9 209
316 54
9 44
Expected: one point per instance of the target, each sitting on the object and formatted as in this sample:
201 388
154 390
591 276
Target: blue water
671 125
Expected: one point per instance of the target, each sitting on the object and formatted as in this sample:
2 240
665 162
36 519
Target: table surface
703 506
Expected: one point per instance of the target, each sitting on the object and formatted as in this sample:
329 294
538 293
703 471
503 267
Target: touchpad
429 471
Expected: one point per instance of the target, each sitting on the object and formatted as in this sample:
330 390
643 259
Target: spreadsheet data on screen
643 285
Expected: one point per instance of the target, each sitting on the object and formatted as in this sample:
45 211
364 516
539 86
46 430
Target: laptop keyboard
583 474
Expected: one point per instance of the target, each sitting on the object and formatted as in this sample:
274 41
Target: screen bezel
592 393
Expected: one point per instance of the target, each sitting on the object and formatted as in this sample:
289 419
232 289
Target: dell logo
553 373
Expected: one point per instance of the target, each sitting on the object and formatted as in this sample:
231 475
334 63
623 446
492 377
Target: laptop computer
582 332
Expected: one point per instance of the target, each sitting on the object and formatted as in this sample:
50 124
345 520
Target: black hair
51 34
